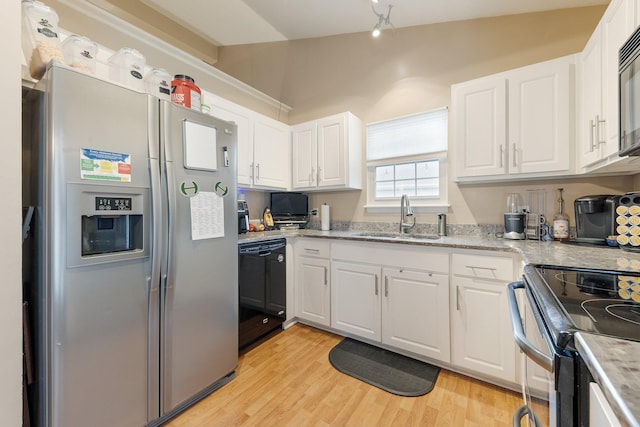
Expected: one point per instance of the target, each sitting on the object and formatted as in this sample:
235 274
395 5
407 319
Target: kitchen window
408 155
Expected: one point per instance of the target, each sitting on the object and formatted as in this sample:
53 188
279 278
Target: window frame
418 203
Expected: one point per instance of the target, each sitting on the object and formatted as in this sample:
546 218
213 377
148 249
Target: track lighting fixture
382 19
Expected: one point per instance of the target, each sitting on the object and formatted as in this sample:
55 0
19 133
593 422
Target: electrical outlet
314 212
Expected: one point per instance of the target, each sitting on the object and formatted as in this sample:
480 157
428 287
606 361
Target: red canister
185 92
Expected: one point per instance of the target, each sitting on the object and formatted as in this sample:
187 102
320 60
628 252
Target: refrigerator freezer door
95 319
200 295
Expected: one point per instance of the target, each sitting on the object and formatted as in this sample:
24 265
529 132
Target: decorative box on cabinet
327 153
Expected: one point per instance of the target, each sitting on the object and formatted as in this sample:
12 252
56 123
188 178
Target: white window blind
408 136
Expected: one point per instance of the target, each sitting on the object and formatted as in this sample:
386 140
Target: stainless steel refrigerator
136 230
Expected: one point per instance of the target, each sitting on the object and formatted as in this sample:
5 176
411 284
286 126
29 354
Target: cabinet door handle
501 155
312 174
376 284
325 276
258 171
318 174
592 126
386 286
598 132
515 151
253 170
457 298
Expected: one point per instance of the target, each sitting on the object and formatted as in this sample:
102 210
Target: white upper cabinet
598 121
243 119
480 126
304 141
264 145
515 124
327 153
540 117
271 154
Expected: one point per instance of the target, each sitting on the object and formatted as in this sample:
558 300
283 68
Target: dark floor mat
384 369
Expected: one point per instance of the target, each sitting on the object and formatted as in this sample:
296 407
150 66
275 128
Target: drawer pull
480 268
311 250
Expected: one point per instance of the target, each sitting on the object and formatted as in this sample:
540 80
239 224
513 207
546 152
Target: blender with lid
515 219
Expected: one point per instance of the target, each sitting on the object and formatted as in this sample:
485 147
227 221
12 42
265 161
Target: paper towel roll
325 219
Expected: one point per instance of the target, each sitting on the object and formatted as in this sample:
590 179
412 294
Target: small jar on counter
185 92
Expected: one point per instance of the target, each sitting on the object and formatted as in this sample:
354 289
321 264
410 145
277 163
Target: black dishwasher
262 285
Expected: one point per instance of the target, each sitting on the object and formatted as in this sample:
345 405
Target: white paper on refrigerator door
200 147
207 216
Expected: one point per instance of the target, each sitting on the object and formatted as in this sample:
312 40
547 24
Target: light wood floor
288 381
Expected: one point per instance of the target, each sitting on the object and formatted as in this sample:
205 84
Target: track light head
382 19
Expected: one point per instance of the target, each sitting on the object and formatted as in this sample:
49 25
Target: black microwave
629 96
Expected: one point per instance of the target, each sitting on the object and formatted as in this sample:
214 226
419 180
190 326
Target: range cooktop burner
603 302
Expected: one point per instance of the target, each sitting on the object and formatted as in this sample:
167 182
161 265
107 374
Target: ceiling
233 22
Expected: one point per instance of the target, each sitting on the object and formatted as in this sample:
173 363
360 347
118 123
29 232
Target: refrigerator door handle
168 282
171 222
156 221
154 284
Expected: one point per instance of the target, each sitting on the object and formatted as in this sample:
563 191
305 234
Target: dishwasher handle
260 249
518 330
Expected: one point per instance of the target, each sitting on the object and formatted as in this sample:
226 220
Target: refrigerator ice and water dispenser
112 225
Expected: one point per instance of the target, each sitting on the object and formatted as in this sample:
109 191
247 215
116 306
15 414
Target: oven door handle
521 412
518 330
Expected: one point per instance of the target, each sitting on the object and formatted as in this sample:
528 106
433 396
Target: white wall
11 223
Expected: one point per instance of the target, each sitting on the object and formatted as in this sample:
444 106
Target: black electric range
564 301
596 301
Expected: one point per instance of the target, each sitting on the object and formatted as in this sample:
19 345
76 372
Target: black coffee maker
243 217
595 218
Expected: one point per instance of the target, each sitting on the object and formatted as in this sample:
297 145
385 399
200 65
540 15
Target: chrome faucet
406 211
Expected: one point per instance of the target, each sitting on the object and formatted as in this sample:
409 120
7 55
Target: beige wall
408 71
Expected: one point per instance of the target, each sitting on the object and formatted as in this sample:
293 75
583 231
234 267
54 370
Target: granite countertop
614 363
532 252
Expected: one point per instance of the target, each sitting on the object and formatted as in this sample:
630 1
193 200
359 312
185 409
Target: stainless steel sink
383 235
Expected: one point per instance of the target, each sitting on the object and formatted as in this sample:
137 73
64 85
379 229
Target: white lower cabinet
427 301
355 299
600 412
415 308
481 336
380 293
312 281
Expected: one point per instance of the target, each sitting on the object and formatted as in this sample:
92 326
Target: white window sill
394 208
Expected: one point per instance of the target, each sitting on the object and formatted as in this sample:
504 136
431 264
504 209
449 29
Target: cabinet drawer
320 248
392 254
483 266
